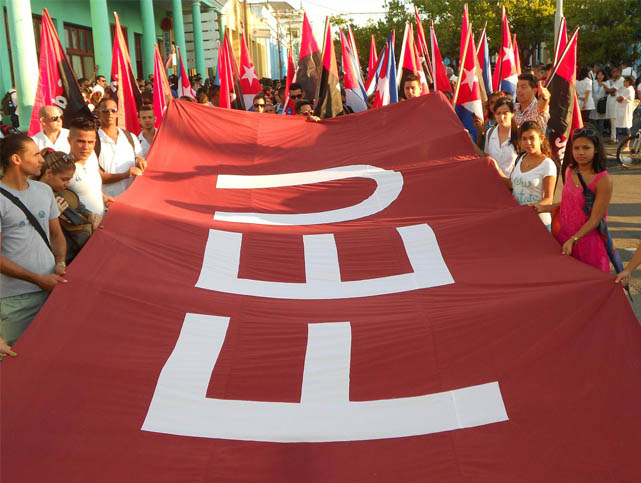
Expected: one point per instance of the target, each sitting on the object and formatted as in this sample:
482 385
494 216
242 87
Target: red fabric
558 335
57 84
465 25
517 55
288 107
441 81
349 76
48 86
421 44
162 92
468 89
373 60
410 60
308 43
225 75
249 82
127 92
505 64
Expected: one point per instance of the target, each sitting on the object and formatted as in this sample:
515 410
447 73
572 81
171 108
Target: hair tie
51 150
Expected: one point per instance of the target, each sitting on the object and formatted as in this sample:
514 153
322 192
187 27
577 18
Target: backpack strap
98 147
32 219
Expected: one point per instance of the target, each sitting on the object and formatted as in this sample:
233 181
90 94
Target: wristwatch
575 239
61 264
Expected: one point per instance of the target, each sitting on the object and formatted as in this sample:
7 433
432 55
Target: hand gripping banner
359 299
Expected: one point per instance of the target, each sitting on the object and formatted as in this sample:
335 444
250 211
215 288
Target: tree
531 20
610 29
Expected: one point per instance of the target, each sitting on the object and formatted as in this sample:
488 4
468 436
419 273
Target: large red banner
354 300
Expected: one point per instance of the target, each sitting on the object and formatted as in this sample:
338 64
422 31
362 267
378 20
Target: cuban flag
467 99
483 55
386 86
355 94
505 73
184 86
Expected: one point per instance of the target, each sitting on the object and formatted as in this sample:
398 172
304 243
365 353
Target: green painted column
148 36
221 28
179 29
198 38
60 28
5 66
102 47
131 41
25 59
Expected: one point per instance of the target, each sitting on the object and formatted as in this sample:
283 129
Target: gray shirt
21 243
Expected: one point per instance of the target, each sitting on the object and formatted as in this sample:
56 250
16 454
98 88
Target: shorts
17 312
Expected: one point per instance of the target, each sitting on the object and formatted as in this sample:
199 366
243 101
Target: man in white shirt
101 85
120 154
86 182
147 120
53 135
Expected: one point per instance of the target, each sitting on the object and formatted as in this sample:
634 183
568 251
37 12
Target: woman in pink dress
578 234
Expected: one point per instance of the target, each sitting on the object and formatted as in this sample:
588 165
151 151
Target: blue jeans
622 132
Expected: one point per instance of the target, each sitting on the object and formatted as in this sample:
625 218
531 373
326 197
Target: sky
360 10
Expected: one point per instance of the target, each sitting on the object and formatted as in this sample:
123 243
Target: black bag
601 105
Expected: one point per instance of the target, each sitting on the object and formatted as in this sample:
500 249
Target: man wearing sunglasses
120 153
259 103
52 135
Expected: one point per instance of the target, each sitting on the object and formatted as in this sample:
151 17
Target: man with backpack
119 151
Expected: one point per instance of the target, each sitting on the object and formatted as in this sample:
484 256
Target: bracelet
575 239
61 264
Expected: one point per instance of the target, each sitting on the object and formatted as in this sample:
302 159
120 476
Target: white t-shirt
581 87
144 144
117 157
21 243
98 88
505 154
61 144
87 184
527 188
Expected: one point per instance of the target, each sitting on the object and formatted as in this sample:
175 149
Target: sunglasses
586 132
55 118
69 158
308 113
259 106
113 110
297 96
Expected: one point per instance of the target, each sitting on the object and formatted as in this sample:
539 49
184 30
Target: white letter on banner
219 271
179 405
389 184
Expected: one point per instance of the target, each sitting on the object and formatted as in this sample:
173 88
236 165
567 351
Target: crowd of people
57 185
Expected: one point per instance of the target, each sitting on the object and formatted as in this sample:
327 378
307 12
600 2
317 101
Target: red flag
561 41
309 62
272 344
505 73
423 50
517 55
373 60
328 99
288 107
410 63
162 91
127 91
468 91
441 81
184 85
249 83
562 89
57 84
352 45
465 25
355 95
225 75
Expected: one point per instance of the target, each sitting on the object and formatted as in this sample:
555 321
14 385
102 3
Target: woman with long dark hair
501 140
578 233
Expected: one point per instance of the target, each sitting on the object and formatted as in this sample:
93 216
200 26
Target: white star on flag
469 78
508 53
250 74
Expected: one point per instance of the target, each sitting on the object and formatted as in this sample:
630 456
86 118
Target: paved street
624 220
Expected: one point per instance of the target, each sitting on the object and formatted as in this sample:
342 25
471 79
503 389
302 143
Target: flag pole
562 56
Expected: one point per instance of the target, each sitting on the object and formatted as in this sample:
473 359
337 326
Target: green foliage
610 29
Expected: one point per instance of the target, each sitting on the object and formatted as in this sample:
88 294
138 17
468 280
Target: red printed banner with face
359 299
